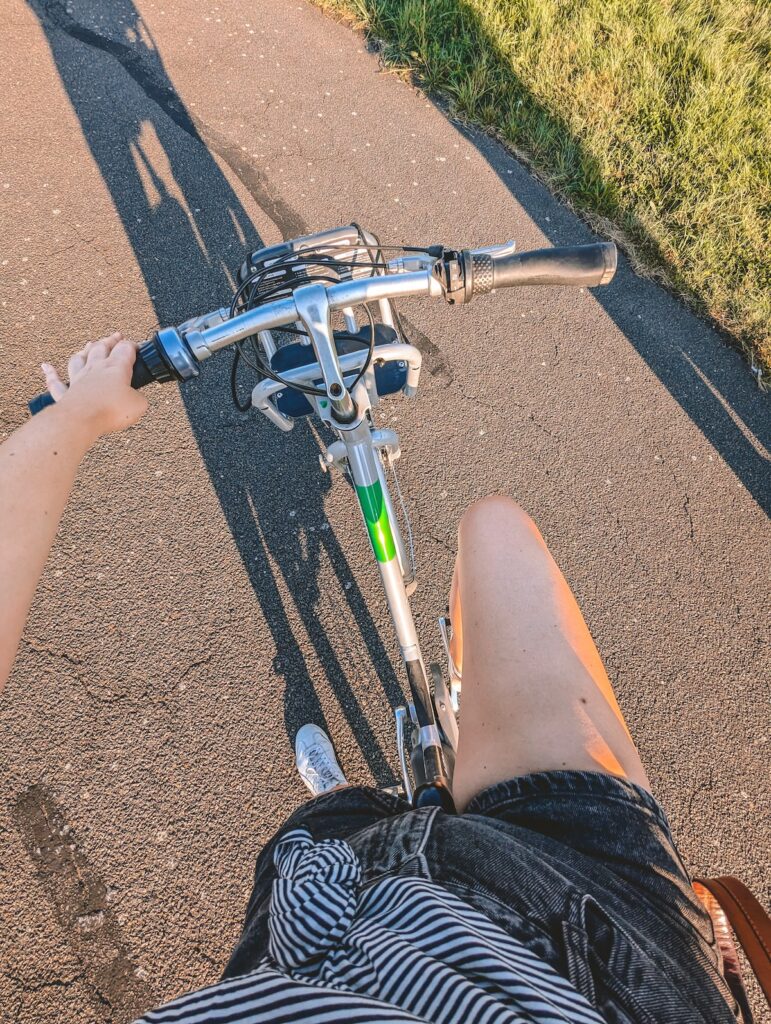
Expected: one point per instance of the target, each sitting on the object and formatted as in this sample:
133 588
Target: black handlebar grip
579 265
140 376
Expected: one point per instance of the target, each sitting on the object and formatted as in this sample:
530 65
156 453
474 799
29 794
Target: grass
650 117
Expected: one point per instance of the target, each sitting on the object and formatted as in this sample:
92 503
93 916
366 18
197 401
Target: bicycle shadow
181 215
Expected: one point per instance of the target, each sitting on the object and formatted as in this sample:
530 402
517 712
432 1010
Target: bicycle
308 289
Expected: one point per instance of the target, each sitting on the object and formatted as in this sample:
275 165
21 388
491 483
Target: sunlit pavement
211 590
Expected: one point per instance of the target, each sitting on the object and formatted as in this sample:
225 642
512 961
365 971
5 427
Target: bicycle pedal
455 688
445 628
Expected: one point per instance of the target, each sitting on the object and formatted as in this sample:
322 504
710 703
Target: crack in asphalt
504 411
428 532
147 694
686 506
75 665
468 397
687 510
539 426
208 959
40 648
625 537
28 986
196 664
707 786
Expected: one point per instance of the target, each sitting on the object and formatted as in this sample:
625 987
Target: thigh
536 696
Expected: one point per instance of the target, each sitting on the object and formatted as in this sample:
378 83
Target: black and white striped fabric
404 950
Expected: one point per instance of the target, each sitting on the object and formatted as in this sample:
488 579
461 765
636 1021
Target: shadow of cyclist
184 221
711 385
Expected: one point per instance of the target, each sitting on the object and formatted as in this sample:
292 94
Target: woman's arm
38 464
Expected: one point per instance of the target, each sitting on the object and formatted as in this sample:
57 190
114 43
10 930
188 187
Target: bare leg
536 696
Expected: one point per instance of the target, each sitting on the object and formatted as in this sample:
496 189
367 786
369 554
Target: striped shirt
403 950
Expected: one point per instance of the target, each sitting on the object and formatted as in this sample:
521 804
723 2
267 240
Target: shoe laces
320 763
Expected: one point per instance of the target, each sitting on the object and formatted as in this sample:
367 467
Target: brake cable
285 262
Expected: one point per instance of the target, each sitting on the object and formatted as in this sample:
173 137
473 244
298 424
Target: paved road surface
210 590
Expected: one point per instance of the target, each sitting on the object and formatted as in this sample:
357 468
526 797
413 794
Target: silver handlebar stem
313 309
273 314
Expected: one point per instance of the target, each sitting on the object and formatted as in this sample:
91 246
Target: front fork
366 474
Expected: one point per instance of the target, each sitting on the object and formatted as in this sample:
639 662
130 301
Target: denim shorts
580 866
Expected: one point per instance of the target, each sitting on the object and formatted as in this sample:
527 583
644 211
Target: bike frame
358 449
345 402
350 391
347 412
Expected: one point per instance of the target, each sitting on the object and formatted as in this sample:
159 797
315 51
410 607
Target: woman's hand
100 392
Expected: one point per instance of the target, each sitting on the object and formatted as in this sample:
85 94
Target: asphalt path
210 590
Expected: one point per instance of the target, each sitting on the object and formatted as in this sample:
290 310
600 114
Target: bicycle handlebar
578 265
174 353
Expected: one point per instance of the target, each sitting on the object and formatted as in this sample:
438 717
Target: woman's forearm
38 464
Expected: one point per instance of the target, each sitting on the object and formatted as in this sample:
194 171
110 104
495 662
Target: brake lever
503 249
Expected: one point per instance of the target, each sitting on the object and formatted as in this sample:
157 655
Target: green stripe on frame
376 516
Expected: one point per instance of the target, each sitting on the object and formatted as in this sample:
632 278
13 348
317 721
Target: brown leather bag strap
750 922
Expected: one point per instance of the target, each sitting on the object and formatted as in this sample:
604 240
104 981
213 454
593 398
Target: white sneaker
316 761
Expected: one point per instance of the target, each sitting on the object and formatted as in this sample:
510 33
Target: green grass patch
651 117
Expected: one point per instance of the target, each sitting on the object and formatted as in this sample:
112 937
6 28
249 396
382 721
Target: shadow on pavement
185 222
188 229
713 387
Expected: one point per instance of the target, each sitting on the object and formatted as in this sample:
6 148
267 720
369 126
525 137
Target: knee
493 515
